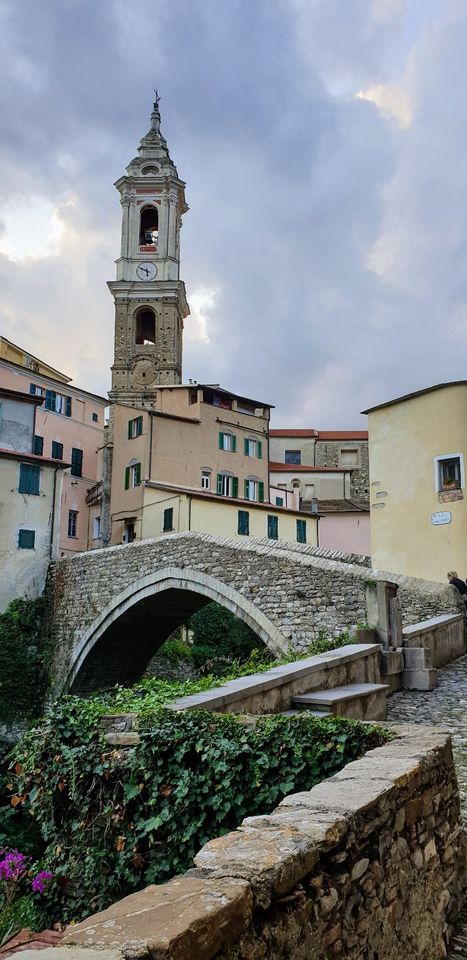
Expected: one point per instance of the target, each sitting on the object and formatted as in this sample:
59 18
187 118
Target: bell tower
150 299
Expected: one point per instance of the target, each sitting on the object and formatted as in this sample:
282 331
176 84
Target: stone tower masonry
150 299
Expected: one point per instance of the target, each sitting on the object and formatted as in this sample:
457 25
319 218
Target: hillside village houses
69 427
31 490
417 482
176 456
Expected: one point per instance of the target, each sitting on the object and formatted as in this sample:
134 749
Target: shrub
113 821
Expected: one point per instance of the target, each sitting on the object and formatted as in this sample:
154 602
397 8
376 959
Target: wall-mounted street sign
443 516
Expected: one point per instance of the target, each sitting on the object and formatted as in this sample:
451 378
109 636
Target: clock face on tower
146 271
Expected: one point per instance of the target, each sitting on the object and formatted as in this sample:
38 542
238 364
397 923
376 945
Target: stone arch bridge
111 609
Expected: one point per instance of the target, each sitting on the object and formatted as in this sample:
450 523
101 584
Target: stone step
365 701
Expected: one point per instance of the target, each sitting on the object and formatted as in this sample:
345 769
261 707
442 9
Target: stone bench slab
339 694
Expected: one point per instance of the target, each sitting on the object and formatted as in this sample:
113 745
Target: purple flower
12 866
40 882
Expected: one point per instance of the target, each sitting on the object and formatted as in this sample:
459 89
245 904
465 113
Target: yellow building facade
418 445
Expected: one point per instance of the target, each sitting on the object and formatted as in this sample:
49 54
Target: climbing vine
25 657
114 820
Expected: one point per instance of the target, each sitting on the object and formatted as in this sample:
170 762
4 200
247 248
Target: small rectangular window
57 450
57 403
227 441
29 479
36 391
205 480
96 528
348 458
273 528
449 476
38 445
95 418
135 428
227 486
301 531
293 456
76 462
72 523
168 519
243 523
133 476
26 539
279 501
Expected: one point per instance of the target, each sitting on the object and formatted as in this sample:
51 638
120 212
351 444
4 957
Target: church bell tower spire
150 299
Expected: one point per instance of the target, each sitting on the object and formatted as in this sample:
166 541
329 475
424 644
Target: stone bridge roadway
111 609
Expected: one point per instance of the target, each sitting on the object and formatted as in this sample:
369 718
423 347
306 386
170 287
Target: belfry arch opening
149 227
145 328
122 653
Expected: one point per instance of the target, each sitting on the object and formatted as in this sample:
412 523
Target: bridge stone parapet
111 609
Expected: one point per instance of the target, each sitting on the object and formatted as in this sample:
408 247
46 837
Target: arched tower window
145 326
149 227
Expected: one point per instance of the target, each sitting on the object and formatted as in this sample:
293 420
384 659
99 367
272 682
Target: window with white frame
449 472
254 489
227 441
227 485
252 447
96 528
205 479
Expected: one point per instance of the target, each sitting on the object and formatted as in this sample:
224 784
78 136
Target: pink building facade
69 426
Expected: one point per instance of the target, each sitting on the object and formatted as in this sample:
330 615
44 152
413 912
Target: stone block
420 679
188 917
417 658
272 861
392 662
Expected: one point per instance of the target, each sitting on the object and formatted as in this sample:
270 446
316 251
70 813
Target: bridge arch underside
119 645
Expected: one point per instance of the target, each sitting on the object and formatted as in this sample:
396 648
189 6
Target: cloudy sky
324 146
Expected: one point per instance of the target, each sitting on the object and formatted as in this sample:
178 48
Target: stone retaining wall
441 637
370 863
272 691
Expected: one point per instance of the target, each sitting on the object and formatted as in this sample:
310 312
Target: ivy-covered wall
25 658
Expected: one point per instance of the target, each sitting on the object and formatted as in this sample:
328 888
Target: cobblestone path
446 706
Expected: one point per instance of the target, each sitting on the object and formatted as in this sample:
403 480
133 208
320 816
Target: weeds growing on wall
25 660
114 820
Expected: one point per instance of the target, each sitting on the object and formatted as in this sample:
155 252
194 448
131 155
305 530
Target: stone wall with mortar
327 453
288 596
370 863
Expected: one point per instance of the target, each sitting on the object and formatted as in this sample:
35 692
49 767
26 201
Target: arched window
145 326
149 227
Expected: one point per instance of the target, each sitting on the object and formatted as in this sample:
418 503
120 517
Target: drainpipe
189 513
54 497
151 421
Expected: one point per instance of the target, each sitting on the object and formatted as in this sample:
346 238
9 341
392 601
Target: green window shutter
219 483
76 462
139 426
221 441
273 528
261 491
301 531
29 479
48 400
68 406
243 522
259 449
130 429
279 501
26 539
235 486
245 446
234 443
137 474
127 478
247 490
38 445
57 450
168 519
